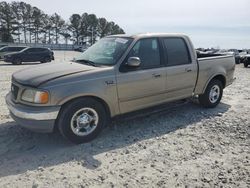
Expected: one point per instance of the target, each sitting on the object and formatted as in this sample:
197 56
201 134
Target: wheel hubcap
214 94
84 121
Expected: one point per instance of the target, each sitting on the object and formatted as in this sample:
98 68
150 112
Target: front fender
63 93
111 106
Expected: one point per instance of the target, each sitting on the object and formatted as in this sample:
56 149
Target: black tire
46 59
17 61
69 110
245 64
205 99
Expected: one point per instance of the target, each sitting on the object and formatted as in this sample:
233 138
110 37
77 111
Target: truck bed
211 66
204 55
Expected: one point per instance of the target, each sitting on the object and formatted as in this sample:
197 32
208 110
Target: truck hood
40 74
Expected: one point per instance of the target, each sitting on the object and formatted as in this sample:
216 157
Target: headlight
35 96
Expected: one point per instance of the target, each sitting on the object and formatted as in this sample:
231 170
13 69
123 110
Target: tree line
21 22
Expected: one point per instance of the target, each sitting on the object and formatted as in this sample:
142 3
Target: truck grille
14 91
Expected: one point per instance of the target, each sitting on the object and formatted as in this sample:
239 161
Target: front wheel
213 94
82 120
17 61
245 64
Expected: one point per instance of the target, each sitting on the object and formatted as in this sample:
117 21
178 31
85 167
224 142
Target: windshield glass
106 51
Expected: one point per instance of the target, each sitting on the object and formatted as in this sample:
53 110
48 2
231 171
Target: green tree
17 23
66 34
7 22
25 15
4 36
21 19
75 27
92 27
103 27
114 29
58 24
37 23
88 27
47 29
84 27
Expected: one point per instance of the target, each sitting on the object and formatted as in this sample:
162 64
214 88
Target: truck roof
146 35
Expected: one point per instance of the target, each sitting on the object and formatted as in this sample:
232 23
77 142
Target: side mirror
134 62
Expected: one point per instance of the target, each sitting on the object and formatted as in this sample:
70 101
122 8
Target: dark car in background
246 60
30 54
3 45
236 55
9 49
81 49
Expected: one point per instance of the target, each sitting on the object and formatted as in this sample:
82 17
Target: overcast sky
210 23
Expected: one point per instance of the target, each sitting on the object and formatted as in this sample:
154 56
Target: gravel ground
177 145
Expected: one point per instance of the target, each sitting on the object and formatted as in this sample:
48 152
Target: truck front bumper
37 119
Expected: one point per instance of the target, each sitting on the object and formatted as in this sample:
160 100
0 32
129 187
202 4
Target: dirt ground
179 145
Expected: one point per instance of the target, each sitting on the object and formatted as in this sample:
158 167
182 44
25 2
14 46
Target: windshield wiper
87 62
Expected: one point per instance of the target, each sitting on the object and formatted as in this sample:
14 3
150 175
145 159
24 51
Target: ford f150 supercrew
117 75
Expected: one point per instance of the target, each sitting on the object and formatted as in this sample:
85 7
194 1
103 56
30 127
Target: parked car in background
3 45
242 54
81 48
30 54
117 75
236 55
9 49
78 49
246 60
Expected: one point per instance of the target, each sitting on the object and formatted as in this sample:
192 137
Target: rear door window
20 48
30 50
176 51
12 49
44 50
17 48
39 50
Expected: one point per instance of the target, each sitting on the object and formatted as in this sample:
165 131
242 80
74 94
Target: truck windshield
106 51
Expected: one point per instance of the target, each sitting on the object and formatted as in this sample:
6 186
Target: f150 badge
110 82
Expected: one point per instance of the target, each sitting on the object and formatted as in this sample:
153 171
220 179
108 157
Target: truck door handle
188 70
155 75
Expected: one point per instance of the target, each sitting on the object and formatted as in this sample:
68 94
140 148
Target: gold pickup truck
117 75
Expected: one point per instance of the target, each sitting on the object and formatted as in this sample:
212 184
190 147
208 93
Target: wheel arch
219 77
100 100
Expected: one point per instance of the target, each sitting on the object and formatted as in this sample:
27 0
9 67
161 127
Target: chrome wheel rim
84 121
214 94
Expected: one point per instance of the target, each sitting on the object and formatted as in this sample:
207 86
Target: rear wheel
82 120
213 94
245 64
46 59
